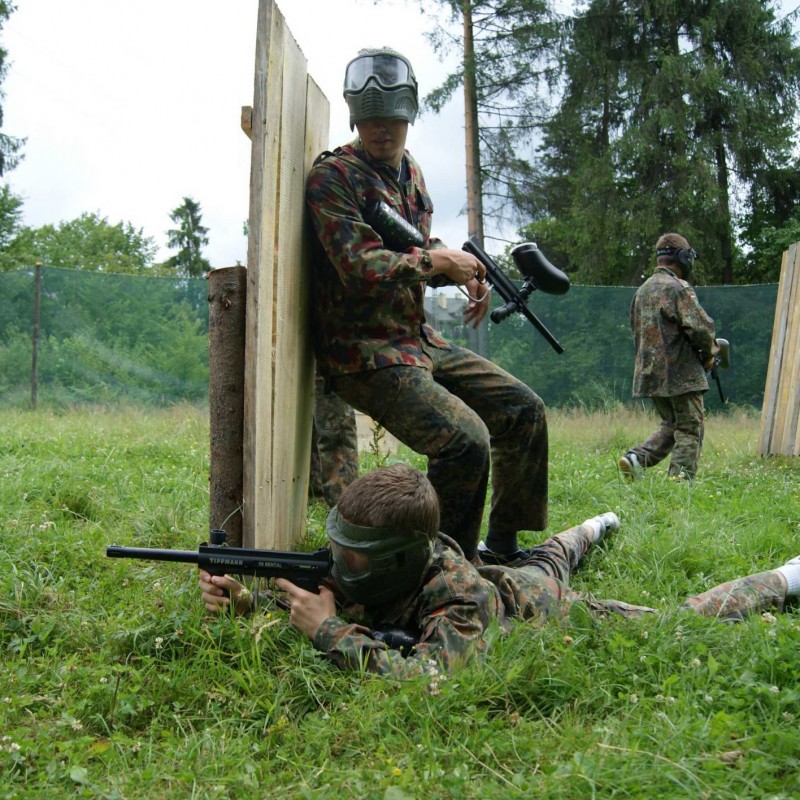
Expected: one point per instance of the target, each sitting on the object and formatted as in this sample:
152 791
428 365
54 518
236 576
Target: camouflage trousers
334 446
539 589
680 433
472 420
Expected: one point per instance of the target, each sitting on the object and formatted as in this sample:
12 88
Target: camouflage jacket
367 301
451 611
670 330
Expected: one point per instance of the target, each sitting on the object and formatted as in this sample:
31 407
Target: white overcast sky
128 106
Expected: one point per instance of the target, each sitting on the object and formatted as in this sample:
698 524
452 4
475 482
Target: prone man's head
379 83
672 249
381 534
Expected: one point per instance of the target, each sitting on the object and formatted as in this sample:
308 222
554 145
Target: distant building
444 310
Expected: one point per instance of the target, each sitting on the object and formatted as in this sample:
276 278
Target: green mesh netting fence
592 323
130 339
104 338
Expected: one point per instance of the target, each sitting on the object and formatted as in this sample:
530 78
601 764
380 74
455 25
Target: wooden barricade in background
289 128
780 431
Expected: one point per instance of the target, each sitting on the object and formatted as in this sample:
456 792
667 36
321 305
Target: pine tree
672 117
9 146
188 238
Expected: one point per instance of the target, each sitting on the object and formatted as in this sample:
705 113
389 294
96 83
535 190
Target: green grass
114 685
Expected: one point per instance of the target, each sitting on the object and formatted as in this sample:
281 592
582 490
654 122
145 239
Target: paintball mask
684 256
380 84
375 566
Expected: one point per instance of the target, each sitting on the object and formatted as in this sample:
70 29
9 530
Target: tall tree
188 238
9 146
673 116
10 217
507 65
86 243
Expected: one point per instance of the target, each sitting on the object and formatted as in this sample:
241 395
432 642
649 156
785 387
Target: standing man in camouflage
334 445
392 570
374 347
675 346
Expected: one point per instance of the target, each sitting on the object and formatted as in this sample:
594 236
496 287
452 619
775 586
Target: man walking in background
675 346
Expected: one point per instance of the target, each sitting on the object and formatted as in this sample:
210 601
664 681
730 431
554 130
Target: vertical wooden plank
785 357
279 362
772 390
292 364
790 374
270 32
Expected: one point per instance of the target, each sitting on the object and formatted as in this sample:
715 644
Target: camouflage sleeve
438 281
696 325
352 246
450 636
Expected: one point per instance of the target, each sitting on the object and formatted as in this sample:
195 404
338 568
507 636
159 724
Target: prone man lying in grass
393 569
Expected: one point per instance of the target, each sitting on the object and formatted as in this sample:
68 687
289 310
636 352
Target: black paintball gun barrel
536 270
303 569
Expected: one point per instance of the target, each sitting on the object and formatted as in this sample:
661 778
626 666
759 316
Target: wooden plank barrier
780 431
288 128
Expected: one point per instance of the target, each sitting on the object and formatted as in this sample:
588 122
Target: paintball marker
537 271
305 570
722 360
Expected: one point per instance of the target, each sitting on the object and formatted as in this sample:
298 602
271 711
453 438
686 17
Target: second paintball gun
303 569
536 270
722 360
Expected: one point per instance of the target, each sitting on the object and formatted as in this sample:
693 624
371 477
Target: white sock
603 523
598 528
791 572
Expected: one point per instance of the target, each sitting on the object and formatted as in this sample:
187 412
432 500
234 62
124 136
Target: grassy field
114 685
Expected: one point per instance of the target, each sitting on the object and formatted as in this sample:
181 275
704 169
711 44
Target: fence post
37 302
227 289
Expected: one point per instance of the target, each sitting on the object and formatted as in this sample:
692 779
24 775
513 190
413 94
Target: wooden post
227 290
780 414
37 303
289 126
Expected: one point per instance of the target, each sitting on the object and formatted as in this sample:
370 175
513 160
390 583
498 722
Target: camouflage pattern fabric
735 599
368 300
456 603
334 445
680 433
465 413
380 356
670 328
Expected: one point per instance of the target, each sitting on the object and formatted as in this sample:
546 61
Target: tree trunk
227 293
725 233
478 338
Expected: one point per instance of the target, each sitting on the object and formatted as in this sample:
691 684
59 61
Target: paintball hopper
536 269
538 273
723 358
